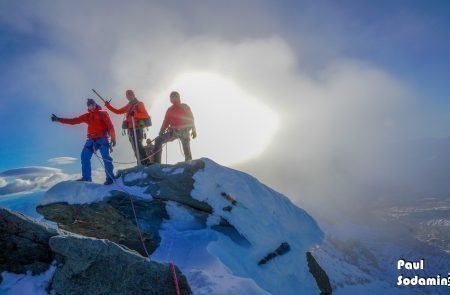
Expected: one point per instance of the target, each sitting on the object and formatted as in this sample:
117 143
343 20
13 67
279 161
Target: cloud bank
30 179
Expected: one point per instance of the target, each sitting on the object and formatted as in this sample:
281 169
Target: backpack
147 122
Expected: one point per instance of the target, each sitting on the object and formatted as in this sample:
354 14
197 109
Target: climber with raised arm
99 129
136 119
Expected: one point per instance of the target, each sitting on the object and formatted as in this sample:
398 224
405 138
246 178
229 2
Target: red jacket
139 111
99 124
179 115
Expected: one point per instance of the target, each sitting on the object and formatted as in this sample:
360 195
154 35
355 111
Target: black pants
182 134
141 150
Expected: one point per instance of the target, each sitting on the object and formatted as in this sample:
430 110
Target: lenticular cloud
62 160
30 179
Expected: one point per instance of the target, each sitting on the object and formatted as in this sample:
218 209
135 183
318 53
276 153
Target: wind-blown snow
17 284
264 217
185 240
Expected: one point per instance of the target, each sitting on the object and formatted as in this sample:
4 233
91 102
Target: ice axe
99 96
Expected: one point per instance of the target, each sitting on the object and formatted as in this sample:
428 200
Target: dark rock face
111 219
321 277
24 243
85 265
94 266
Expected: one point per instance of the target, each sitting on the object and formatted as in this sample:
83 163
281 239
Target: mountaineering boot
108 181
84 179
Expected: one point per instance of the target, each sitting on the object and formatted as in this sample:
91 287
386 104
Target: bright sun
232 125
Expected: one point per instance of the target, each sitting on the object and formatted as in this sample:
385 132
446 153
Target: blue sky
384 63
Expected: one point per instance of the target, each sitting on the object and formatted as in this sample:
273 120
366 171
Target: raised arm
120 111
74 121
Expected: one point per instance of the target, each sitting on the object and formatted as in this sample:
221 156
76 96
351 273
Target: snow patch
133 176
14 284
206 274
80 192
173 171
76 192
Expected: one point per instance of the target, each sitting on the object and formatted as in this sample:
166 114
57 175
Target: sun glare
232 125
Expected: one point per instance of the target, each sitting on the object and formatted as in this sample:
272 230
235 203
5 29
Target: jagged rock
321 277
24 243
111 219
93 266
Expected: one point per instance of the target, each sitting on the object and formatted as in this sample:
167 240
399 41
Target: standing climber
99 128
134 112
178 123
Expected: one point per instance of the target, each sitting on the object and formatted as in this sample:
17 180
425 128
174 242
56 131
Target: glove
113 142
107 101
161 132
194 133
54 118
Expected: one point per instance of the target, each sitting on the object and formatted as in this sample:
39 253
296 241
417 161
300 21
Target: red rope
141 237
137 225
174 274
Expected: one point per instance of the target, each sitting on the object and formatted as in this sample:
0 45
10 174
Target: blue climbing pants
91 145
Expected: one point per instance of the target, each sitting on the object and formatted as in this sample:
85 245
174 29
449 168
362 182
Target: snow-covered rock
220 225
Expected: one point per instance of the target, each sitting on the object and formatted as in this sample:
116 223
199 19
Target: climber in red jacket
178 123
99 128
135 111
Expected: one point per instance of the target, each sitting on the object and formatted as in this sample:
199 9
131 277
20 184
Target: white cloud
62 160
29 179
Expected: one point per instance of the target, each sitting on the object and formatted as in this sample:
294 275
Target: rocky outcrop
321 277
170 182
24 243
92 266
111 219
84 265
